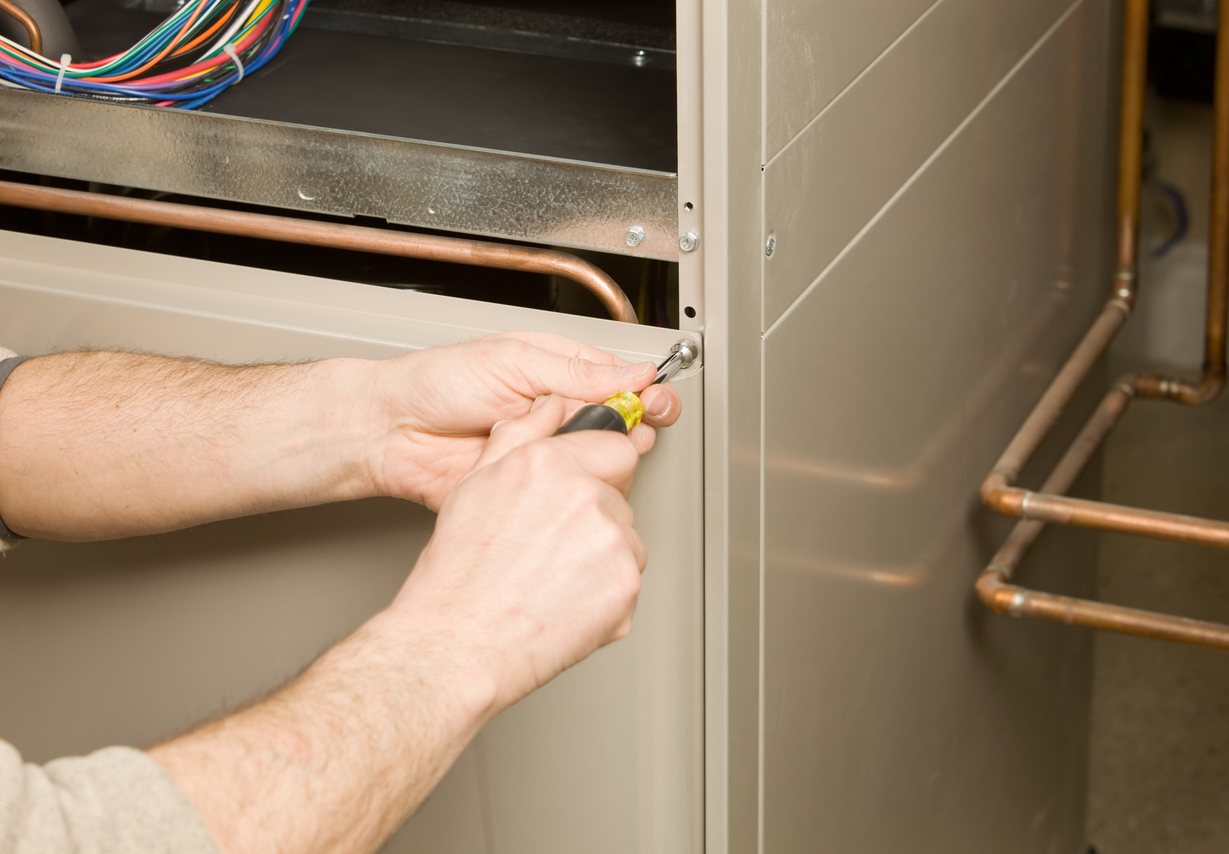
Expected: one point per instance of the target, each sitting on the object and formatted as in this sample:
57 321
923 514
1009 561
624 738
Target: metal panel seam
934 155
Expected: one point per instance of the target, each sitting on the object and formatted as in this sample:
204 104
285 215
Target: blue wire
41 81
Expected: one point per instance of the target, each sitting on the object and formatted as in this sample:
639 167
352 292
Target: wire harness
194 55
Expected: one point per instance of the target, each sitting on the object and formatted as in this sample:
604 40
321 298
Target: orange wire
175 41
208 32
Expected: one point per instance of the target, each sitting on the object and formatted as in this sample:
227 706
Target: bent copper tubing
23 18
1049 505
431 247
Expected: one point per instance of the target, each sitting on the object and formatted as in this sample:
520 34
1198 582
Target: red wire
209 63
174 42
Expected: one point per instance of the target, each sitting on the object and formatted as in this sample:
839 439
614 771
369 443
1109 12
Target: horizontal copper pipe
996 591
23 18
1019 602
1050 505
457 250
1081 513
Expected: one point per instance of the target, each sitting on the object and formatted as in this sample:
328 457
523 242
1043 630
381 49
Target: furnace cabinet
897 219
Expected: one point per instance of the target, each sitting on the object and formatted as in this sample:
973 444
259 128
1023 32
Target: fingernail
657 405
498 424
537 403
635 371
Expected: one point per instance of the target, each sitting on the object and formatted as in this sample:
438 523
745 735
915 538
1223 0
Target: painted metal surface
828 183
131 641
815 50
432 185
894 717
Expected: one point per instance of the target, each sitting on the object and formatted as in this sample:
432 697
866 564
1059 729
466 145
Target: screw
689 241
307 194
771 246
634 236
640 59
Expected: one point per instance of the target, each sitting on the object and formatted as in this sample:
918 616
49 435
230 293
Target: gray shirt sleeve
116 800
8 361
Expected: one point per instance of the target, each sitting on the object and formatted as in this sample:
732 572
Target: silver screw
307 194
634 236
771 246
689 241
640 59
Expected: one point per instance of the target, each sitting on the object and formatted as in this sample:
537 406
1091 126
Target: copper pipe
1125 520
32 30
336 235
1107 415
996 591
1050 505
1018 602
1131 145
1050 408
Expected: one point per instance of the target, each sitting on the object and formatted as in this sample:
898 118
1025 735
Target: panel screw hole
689 311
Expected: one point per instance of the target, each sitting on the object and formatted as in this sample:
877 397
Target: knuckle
582 370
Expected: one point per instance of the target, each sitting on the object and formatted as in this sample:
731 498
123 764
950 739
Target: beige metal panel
130 641
830 182
732 275
898 716
815 50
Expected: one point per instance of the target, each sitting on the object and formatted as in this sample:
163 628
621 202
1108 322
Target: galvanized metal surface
452 188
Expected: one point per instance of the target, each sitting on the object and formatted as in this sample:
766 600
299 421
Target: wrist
350 420
439 665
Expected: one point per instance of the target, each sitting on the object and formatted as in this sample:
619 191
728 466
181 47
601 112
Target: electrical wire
182 63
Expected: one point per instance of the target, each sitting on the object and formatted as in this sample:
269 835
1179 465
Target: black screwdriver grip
594 416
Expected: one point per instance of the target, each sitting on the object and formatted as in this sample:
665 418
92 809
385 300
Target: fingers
603 454
544 372
563 366
544 418
564 346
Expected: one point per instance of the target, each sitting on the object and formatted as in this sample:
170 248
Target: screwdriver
622 411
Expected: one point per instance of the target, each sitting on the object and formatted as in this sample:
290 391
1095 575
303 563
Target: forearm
103 445
339 759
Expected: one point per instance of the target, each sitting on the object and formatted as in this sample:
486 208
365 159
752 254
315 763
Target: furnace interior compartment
556 78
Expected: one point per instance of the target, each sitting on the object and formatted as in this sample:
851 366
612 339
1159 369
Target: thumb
544 418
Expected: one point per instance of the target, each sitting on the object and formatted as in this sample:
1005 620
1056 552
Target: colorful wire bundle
189 59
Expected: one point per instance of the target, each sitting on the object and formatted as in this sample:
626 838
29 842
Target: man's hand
533 565
440 404
104 445
534 562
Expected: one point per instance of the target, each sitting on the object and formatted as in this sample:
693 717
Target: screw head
640 59
634 236
689 241
771 246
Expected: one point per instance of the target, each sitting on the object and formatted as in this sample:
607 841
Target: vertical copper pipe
1131 146
1098 338
1212 381
1218 235
32 30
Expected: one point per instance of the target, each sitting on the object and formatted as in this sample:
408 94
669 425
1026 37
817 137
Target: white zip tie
59 78
229 50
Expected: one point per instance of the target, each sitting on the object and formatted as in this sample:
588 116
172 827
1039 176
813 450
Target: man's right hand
534 562
533 565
